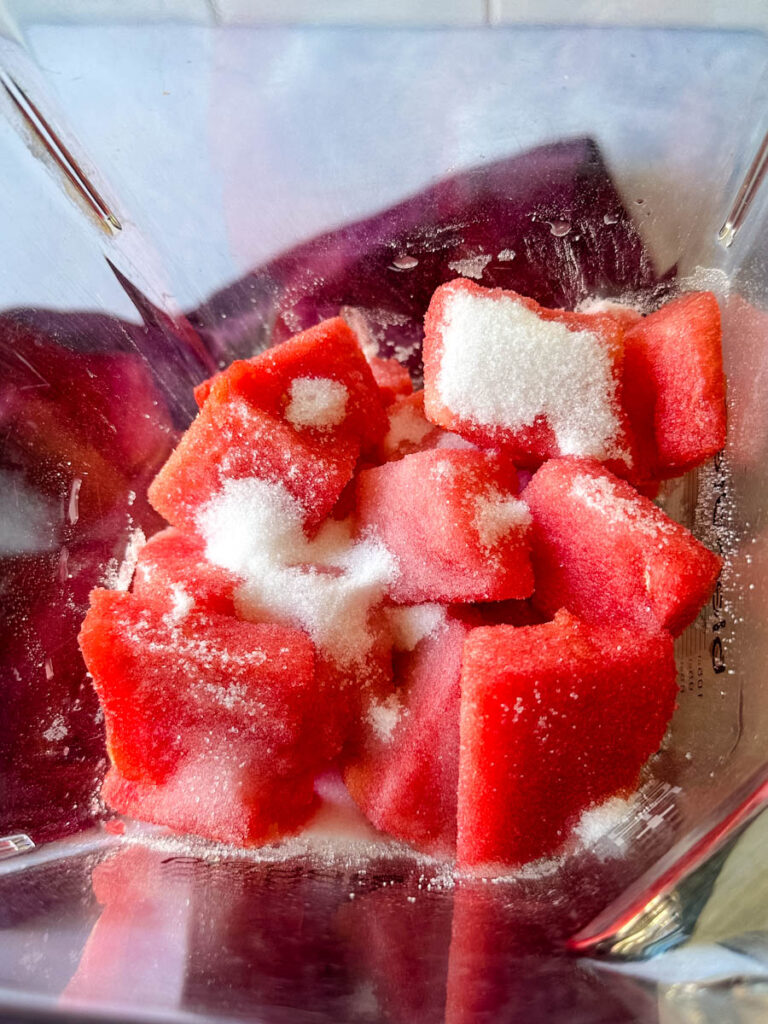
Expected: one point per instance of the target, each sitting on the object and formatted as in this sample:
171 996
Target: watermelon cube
554 719
173 575
504 372
230 706
232 440
405 776
319 381
213 797
298 414
674 384
610 555
349 688
392 377
452 521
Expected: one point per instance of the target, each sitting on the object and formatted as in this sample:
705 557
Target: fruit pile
463 597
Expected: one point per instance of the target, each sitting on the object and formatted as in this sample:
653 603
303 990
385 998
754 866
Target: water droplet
559 228
404 262
610 218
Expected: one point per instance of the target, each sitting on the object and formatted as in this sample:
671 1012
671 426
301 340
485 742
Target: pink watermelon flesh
392 377
610 555
406 774
172 573
232 440
203 689
214 799
328 356
674 383
451 520
554 718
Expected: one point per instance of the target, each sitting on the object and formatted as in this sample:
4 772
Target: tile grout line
214 11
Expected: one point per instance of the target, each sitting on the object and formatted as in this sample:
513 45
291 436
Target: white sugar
472 266
497 514
316 402
407 426
604 306
384 717
251 519
182 603
57 730
601 494
411 624
597 822
503 366
326 586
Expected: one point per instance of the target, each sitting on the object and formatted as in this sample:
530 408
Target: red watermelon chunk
406 774
506 373
554 719
453 523
216 799
348 689
674 383
610 555
231 440
318 381
173 575
392 377
209 697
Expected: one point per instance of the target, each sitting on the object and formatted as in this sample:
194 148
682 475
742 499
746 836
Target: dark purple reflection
291 943
548 223
85 422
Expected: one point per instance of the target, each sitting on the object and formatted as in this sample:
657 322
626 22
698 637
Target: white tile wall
741 14
352 12
60 12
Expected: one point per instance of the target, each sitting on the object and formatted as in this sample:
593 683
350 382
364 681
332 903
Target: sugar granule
411 624
326 586
182 603
597 822
384 717
503 366
601 494
604 306
57 730
316 402
472 266
406 426
497 514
